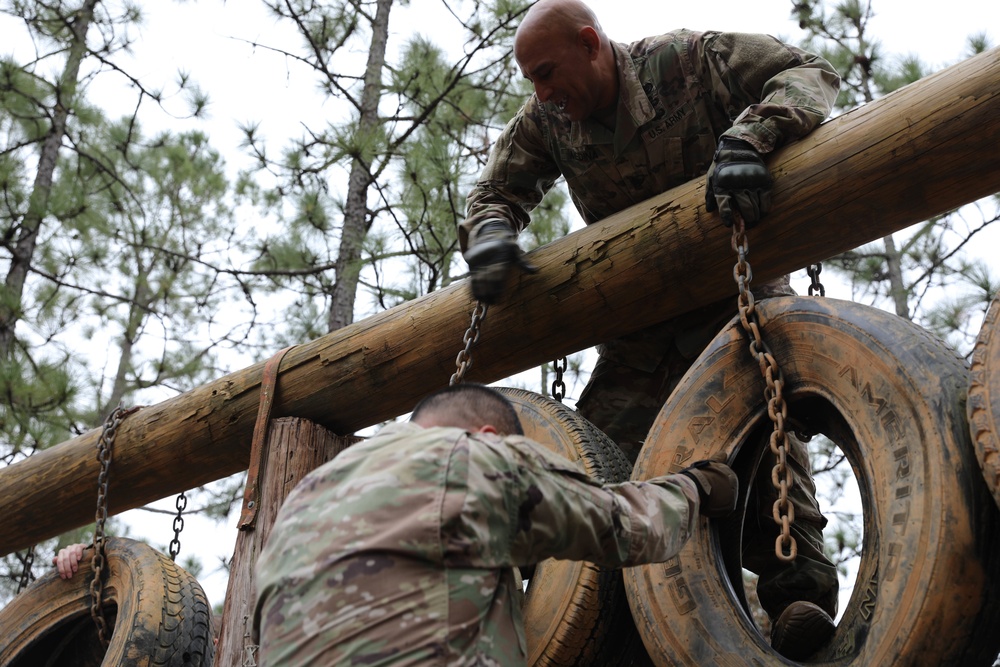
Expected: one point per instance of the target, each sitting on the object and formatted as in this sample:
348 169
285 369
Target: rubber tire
984 398
160 613
893 399
573 608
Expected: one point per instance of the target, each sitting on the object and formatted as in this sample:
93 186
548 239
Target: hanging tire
893 399
575 612
157 613
984 398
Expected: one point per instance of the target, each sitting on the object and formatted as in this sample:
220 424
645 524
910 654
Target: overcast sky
209 39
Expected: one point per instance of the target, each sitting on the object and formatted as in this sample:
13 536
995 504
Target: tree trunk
295 447
137 310
903 159
356 218
894 265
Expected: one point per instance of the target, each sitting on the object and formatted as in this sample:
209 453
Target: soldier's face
561 70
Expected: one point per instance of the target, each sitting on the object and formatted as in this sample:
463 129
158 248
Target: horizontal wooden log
922 151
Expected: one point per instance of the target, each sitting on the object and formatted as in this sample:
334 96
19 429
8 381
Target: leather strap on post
258 448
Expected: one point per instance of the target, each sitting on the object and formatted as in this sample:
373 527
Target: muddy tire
984 399
573 610
159 612
893 399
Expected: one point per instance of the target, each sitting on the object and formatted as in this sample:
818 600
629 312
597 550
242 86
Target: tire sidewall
921 581
984 399
163 616
569 605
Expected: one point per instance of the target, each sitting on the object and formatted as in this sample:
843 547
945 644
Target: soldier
623 123
401 549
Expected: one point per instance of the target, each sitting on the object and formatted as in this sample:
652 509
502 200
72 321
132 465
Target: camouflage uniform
679 92
401 550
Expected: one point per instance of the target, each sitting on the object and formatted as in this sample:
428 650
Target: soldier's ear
591 41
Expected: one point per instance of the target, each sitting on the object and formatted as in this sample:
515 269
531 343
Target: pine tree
906 270
386 181
99 230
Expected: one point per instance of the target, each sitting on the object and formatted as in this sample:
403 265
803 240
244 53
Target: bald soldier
400 551
623 123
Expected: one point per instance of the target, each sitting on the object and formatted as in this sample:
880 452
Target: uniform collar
399 427
631 97
634 108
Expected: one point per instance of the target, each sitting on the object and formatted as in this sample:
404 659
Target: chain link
785 547
175 544
27 575
815 287
250 655
249 648
558 386
471 337
104 445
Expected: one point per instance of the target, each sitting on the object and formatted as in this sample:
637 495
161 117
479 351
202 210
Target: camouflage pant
632 380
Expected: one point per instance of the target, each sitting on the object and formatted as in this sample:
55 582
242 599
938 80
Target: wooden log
914 154
296 447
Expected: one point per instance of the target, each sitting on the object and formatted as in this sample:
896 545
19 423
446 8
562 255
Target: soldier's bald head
563 18
468 406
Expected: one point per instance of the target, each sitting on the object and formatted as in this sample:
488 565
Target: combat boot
801 630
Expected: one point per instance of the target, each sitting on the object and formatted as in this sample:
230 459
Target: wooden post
296 446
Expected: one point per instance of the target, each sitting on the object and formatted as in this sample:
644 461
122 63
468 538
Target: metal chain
558 386
250 655
785 547
471 337
175 544
104 445
249 648
815 286
26 575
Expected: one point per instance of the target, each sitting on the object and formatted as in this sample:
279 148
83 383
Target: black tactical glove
738 180
717 485
490 258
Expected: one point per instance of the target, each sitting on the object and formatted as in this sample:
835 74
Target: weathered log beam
919 152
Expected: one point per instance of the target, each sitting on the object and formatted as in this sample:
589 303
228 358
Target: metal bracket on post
258 447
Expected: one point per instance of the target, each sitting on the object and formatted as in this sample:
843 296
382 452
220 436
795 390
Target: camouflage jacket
679 92
401 550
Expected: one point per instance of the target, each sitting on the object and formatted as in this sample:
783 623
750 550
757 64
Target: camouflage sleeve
525 504
517 175
783 91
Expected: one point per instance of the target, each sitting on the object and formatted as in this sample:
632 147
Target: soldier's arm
779 92
525 504
517 175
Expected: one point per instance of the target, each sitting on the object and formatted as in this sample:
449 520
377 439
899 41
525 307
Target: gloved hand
738 180
717 485
490 257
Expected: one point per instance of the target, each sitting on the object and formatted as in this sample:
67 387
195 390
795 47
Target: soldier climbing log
916 153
